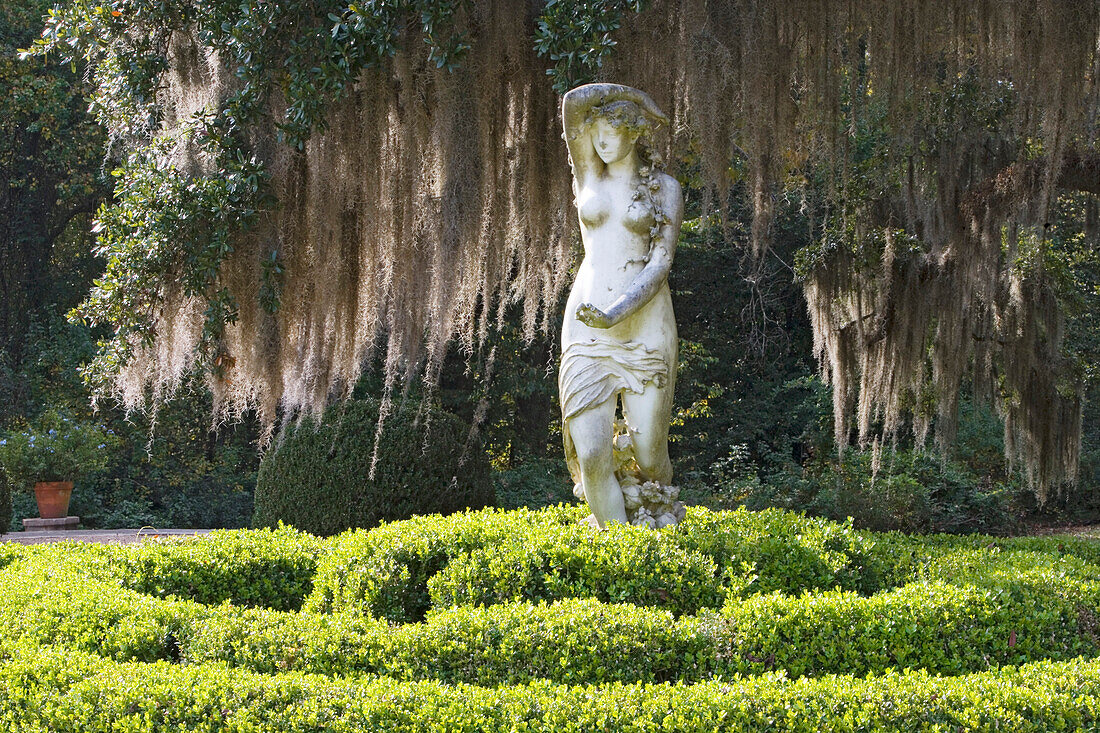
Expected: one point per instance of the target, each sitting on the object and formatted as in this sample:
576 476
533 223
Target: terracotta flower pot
53 498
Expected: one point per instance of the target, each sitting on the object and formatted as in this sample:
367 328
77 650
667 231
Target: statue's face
612 142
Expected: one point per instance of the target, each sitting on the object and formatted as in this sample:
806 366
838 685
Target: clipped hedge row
9 553
621 565
788 552
266 568
1022 612
943 629
384 572
269 568
903 558
399 571
54 690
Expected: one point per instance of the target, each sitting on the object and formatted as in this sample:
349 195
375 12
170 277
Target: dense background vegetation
753 422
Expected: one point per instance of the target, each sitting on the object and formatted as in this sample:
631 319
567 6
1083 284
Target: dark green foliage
176 473
5 502
51 181
912 491
166 469
745 381
535 483
317 477
576 36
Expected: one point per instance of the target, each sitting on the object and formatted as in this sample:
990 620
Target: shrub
912 492
270 568
954 606
316 478
579 641
56 447
782 550
621 565
970 558
48 689
936 626
55 597
385 572
9 553
271 642
943 629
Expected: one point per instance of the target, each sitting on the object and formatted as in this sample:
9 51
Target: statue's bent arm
653 275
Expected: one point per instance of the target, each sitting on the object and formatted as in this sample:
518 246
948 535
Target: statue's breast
597 204
639 216
593 206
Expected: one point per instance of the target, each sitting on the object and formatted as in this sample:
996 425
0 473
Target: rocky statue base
648 503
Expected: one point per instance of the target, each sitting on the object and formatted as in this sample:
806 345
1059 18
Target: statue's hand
590 315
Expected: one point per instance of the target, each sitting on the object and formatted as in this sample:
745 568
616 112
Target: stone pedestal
45 525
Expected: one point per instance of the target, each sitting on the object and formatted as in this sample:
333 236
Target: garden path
102 536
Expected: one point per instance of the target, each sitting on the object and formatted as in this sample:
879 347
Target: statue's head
616 127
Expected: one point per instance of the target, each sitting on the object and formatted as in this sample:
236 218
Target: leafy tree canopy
301 177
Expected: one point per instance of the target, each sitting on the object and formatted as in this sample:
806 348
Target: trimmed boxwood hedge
385 572
621 565
940 628
810 620
269 568
317 477
51 689
486 557
9 553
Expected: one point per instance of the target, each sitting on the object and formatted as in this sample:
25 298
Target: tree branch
86 205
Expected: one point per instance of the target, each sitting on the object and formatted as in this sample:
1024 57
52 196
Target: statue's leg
591 431
648 415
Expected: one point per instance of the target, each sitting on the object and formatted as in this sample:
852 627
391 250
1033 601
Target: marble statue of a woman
619 336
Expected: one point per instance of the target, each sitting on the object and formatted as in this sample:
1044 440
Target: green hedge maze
525 620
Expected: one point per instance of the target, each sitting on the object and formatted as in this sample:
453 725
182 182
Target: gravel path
102 536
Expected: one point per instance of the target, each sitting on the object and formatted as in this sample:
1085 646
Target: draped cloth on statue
594 371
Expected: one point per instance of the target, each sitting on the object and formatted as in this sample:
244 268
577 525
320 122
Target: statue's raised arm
577 116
